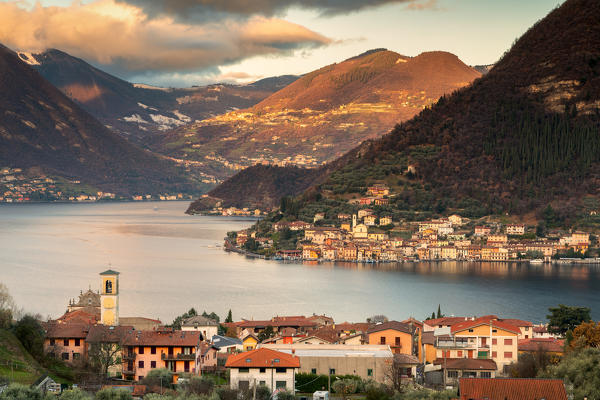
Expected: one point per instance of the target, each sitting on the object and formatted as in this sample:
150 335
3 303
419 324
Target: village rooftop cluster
372 236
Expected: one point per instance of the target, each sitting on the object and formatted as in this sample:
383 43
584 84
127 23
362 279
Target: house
494 253
45 384
226 344
482 338
366 361
107 340
497 239
428 353
377 235
515 229
370 220
360 231
385 220
525 327
378 190
554 347
455 219
175 350
310 252
249 342
262 367
207 357
319 217
209 327
321 320
511 389
66 341
398 335
456 368
364 212
482 230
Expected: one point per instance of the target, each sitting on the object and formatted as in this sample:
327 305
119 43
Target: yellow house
249 342
385 220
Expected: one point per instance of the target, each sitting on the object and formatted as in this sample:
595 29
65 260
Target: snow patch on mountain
145 107
182 116
28 58
135 118
165 123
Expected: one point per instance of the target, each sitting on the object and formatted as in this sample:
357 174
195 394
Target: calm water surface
170 262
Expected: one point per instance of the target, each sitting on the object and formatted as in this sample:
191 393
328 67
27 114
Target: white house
266 367
208 327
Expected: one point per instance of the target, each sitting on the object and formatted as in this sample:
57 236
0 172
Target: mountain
523 137
322 114
135 110
41 127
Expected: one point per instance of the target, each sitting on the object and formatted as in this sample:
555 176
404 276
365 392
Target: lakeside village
299 354
371 235
18 187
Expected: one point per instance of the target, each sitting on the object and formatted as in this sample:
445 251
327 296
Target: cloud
218 9
125 40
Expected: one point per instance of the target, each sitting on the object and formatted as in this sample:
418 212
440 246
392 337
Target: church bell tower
109 298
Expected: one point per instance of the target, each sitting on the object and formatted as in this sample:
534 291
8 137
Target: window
485 374
108 287
77 342
508 354
243 370
280 384
397 341
313 371
369 372
153 350
526 328
471 330
262 370
186 366
65 356
140 377
152 364
494 330
459 353
452 374
141 350
66 342
331 371
382 340
51 342
140 364
508 342
280 370
494 354
494 341
526 336
76 356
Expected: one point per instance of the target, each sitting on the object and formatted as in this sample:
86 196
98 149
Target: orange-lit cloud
125 38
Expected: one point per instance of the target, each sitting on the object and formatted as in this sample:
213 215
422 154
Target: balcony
178 357
128 371
129 356
453 344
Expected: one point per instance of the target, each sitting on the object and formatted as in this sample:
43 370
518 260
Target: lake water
170 262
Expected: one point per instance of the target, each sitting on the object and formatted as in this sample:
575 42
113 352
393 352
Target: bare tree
393 374
103 355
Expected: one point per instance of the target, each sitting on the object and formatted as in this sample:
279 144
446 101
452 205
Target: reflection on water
170 261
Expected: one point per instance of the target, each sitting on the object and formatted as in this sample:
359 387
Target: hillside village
372 234
283 353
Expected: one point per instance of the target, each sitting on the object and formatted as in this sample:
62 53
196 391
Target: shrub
20 392
113 394
198 385
75 394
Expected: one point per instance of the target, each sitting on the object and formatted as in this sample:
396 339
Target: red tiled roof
486 320
445 321
162 338
511 389
263 358
87 315
279 322
414 321
327 334
108 334
357 327
466 363
67 331
516 322
547 344
394 325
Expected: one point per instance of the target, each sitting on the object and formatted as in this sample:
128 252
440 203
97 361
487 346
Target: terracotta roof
414 321
86 315
263 358
64 331
163 338
357 327
108 334
467 363
277 322
406 359
547 344
394 325
540 329
445 321
516 322
511 388
486 320
288 331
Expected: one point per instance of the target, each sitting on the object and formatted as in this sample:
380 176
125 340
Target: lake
170 262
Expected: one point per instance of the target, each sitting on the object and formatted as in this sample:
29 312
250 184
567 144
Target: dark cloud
206 10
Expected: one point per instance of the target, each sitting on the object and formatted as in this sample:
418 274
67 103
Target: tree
212 316
564 318
530 364
229 316
439 312
540 230
160 377
345 387
7 307
103 355
267 333
580 370
285 395
394 373
587 334
176 324
31 335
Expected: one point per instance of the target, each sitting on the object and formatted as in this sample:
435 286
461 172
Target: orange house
398 335
174 350
66 341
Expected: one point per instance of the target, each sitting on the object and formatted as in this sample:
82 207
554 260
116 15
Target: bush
226 393
285 395
376 391
113 394
198 385
158 377
75 394
263 393
20 392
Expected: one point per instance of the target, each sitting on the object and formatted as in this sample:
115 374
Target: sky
180 43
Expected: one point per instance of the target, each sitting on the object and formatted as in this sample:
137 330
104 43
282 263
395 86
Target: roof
108 334
225 341
486 320
516 322
547 344
86 315
414 322
428 337
140 323
163 338
199 320
394 325
110 272
332 350
406 359
263 358
467 363
277 322
512 389
357 327
67 331
445 321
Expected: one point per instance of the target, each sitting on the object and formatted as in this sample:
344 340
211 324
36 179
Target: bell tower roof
109 272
